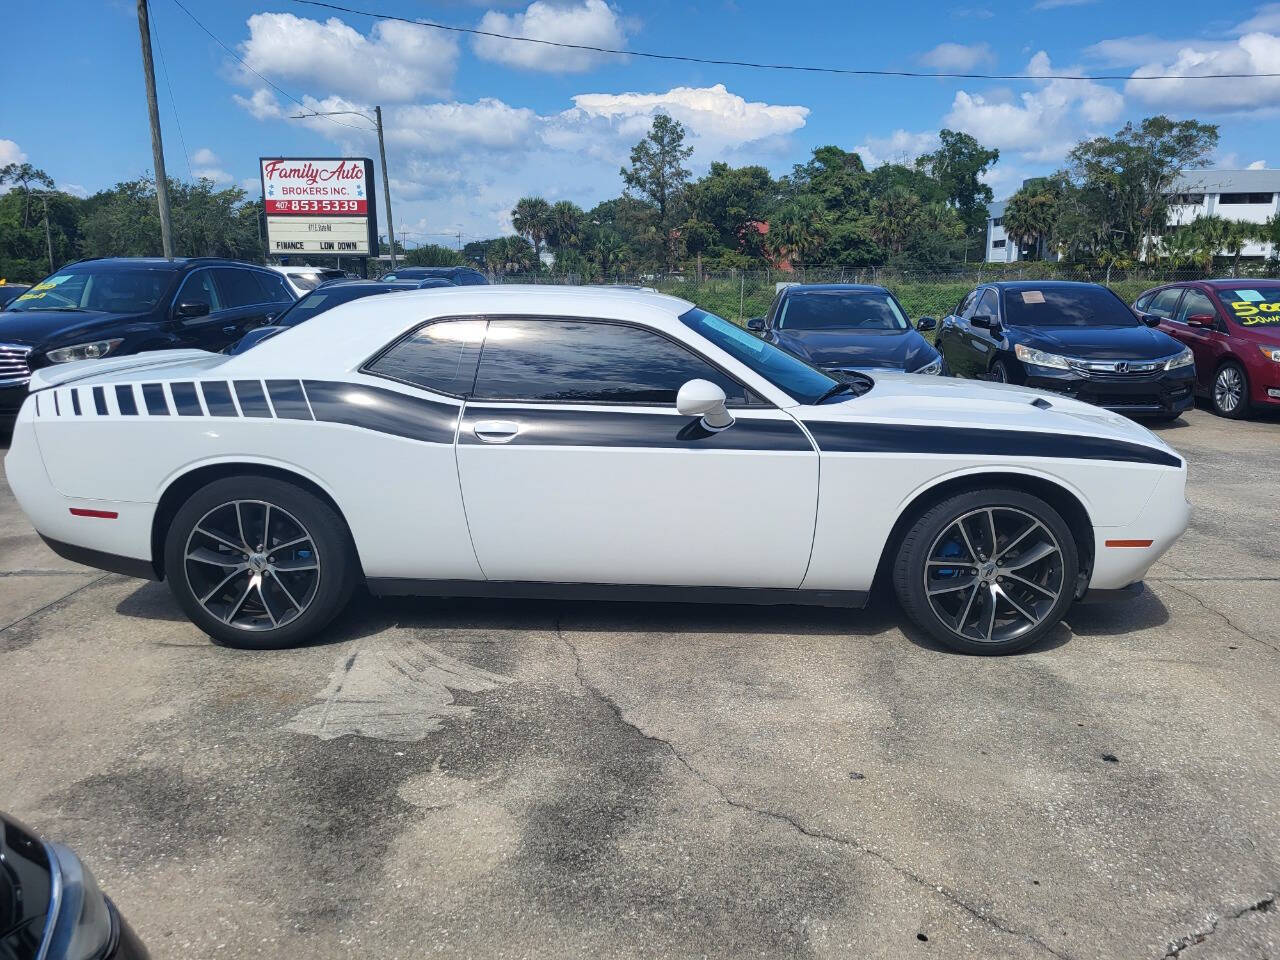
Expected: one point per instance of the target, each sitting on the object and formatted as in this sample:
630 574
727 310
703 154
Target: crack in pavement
53 603
1265 905
783 818
42 572
1218 613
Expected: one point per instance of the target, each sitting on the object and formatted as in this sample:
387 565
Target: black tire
1220 392
999 373
914 553
285 584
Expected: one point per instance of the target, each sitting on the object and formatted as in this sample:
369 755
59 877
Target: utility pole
48 234
157 145
386 186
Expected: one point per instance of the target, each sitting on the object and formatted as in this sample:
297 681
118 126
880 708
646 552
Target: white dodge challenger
559 442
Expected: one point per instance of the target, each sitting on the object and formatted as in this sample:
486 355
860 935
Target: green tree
657 173
23 176
798 231
433 255
565 226
530 217
896 216
723 207
512 254
1030 215
958 165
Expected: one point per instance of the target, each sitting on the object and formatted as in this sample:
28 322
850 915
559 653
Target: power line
173 101
284 93
801 68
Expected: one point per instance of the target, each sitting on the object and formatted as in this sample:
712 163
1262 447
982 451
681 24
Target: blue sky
474 124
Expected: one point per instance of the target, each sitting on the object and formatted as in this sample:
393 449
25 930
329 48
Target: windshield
842 309
112 289
1256 306
326 299
780 368
1050 306
309 281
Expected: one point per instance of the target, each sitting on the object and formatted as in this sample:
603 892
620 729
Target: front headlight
83 351
1039 358
1184 359
932 369
1271 353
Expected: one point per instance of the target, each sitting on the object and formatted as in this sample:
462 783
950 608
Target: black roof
833 288
174 262
1038 284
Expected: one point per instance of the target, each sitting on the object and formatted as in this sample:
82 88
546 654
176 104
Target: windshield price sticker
1032 296
1251 308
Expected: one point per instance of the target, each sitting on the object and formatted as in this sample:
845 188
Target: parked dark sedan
10 292
458 276
1074 338
95 308
847 328
326 297
51 907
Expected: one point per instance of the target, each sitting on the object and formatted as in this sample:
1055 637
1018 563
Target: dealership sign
319 205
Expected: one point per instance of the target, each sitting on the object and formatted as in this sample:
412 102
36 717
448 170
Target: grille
13 364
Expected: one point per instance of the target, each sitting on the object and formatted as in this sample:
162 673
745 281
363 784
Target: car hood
1099 343
164 364
32 327
854 348
950 402
1259 333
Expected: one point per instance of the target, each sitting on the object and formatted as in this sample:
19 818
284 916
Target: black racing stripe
253 402
288 399
57 407
75 401
596 428
185 399
217 397
920 438
125 400
37 404
153 396
385 411
100 401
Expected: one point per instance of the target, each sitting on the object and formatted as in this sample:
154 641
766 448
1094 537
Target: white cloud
591 23
1142 48
396 61
1042 123
1266 17
1257 165
204 157
1257 52
449 127
957 56
263 105
10 152
713 116
901 146
75 189
218 176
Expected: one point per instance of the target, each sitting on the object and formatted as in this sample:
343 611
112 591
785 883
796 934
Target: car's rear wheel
1230 395
988 571
259 563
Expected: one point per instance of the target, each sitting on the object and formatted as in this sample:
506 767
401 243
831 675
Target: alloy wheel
1228 389
993 574
252 565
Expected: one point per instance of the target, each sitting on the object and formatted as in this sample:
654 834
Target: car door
576 467
1208 344
1162 305
191 327
245 303
948 339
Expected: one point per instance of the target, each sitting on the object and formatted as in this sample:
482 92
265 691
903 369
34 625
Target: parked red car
1233 328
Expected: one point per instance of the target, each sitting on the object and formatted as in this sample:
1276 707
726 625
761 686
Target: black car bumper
11 399
1164 394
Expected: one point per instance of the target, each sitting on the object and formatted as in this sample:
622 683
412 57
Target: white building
1252 195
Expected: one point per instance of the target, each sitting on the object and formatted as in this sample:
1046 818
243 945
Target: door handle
495 431
230 328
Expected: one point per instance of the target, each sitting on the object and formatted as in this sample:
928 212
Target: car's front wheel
988 571
258 562
1231 391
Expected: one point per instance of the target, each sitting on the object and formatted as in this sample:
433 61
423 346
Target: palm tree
895 217
564 225
511 255
798 231
1238 235
530 218
1210 233
1029 217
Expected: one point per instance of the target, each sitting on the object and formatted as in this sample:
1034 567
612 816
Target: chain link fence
740 295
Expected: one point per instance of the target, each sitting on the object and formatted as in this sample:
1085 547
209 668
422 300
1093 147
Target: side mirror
1202 321
986 321
926 323
189 308
1149 319
702 398
756 324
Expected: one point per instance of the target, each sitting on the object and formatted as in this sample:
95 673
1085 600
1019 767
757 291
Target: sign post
319 206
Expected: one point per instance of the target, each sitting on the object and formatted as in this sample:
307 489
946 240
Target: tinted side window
773 310
239 288
990 303
967 304
198 288
440 356
471 278
1164 302
582 361
1195 304
274 288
